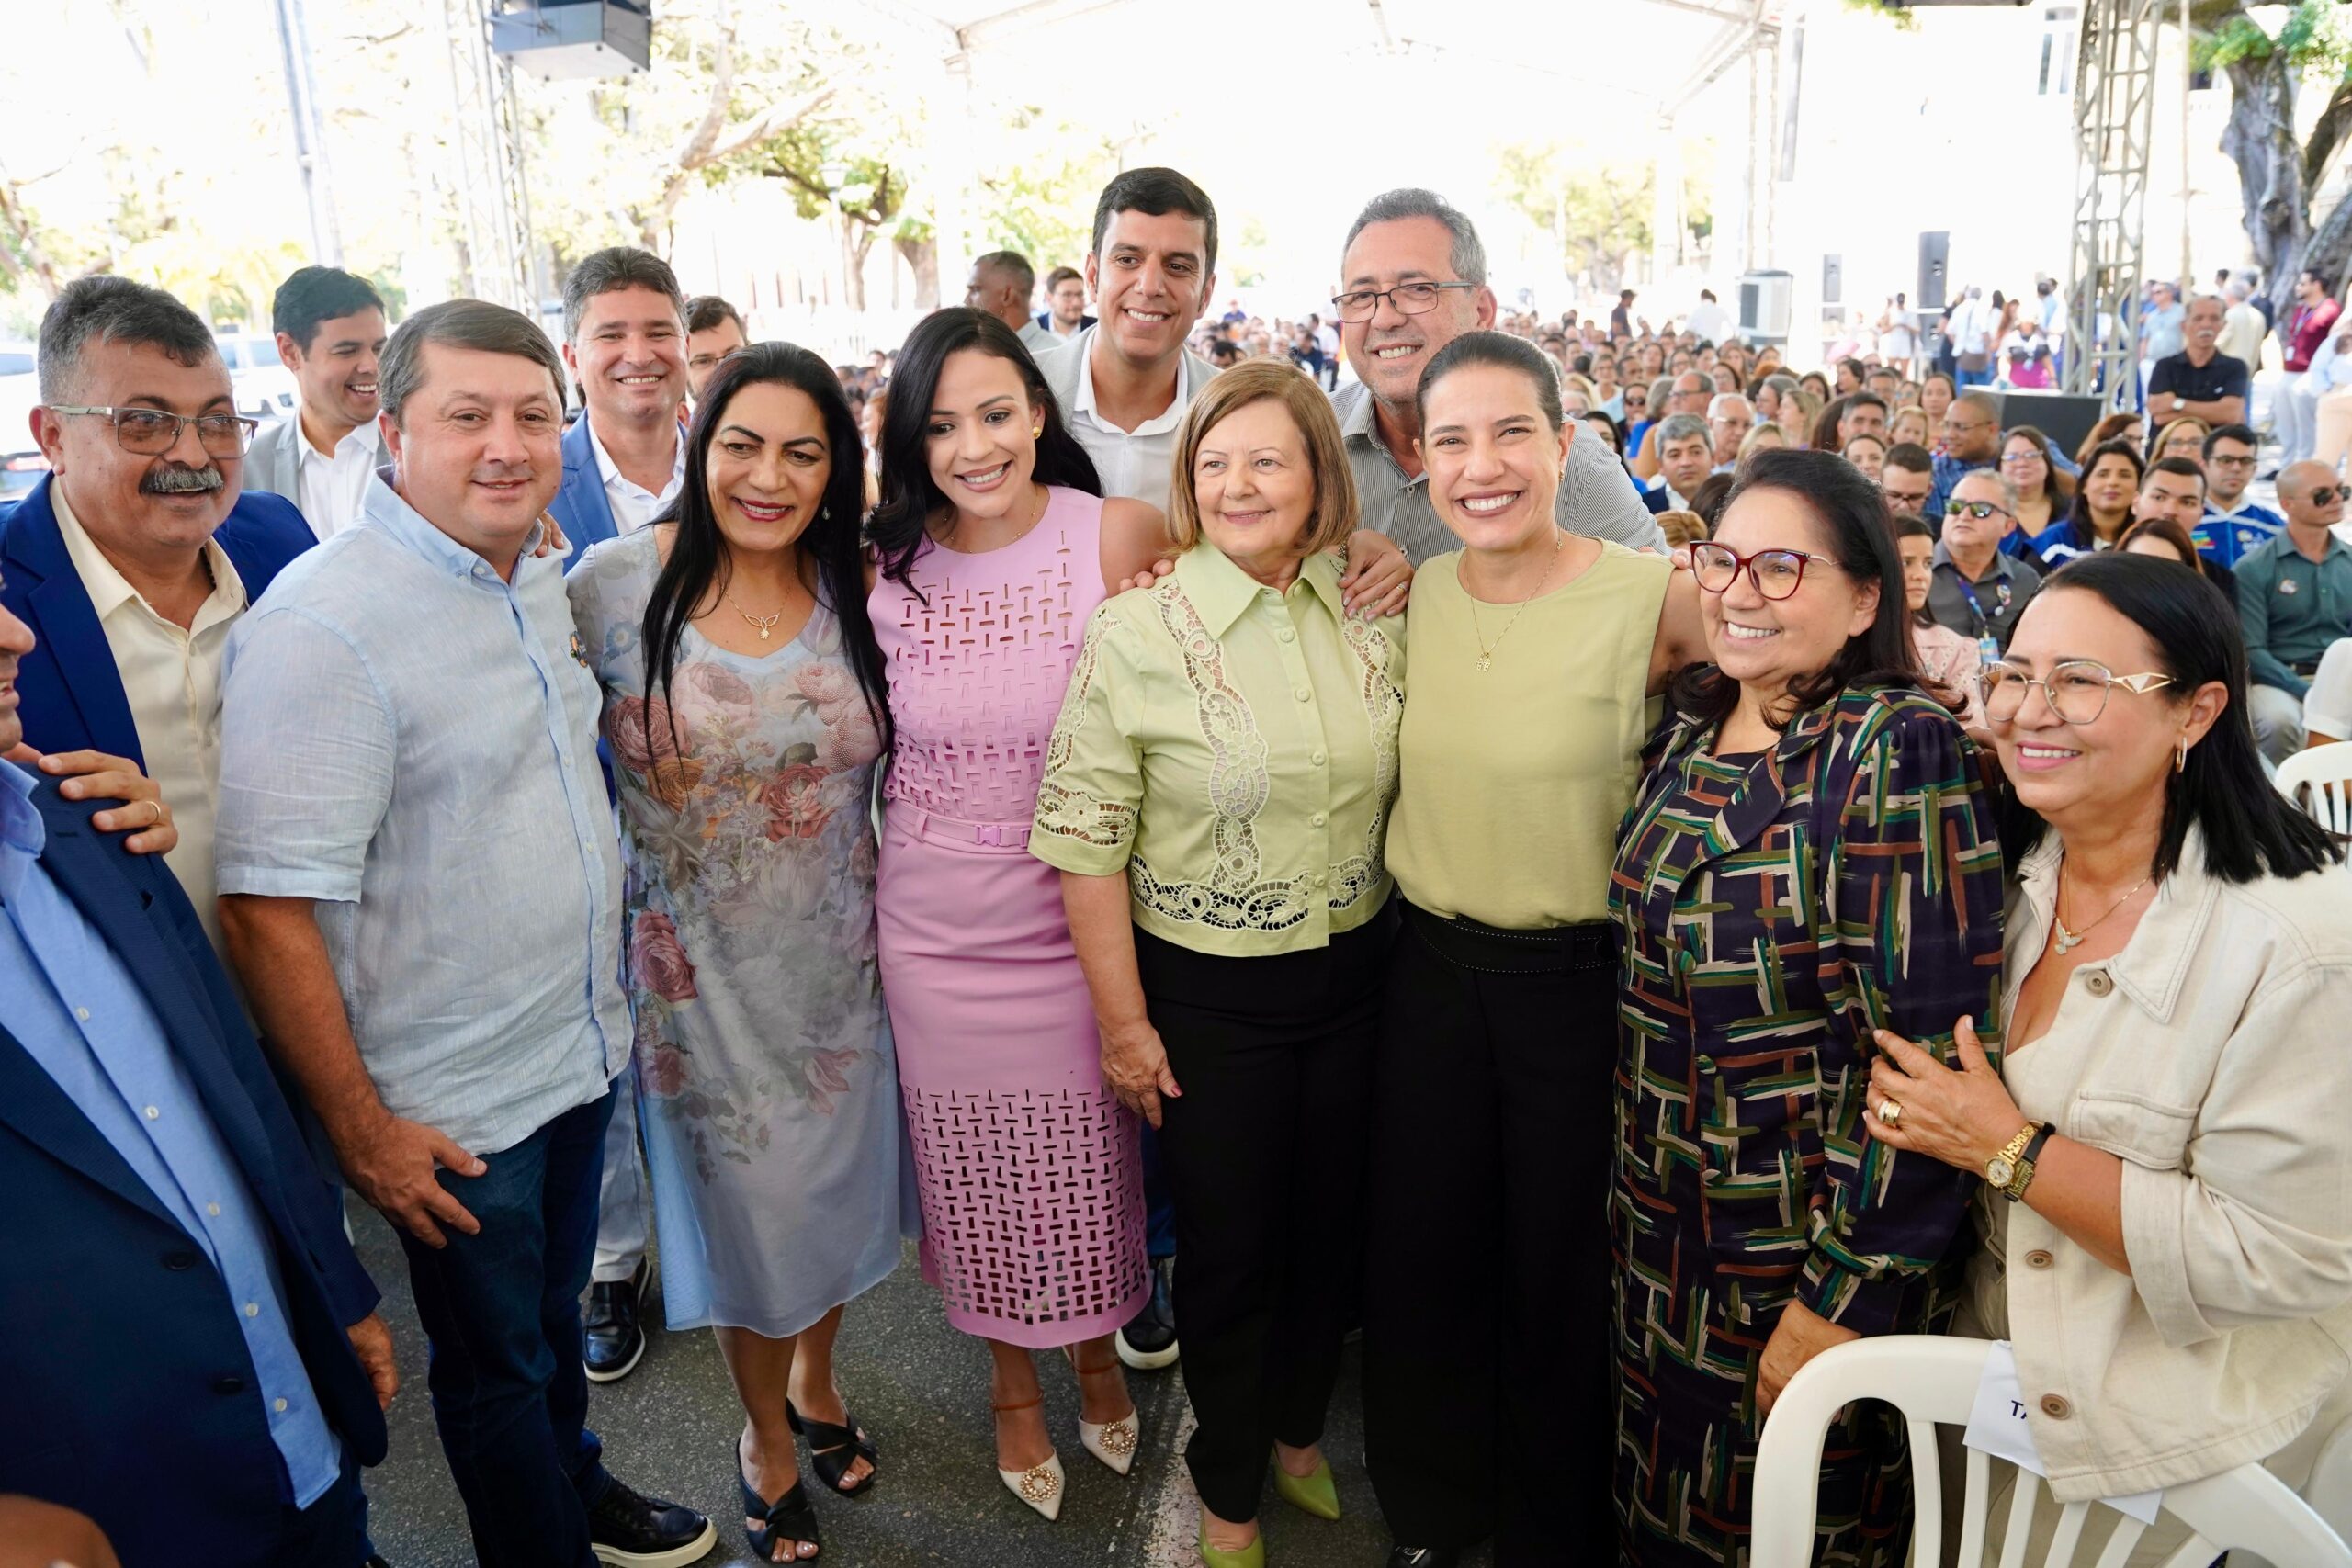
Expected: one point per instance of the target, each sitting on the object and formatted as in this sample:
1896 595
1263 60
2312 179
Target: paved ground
921 1390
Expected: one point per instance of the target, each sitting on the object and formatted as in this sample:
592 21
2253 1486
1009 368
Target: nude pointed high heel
1041 1486
1113 1442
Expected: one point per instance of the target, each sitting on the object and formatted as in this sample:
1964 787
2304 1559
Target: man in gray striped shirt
1414 278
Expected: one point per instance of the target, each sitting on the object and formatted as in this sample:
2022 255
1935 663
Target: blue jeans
501 1309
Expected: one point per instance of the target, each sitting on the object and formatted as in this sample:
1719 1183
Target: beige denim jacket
2213 1056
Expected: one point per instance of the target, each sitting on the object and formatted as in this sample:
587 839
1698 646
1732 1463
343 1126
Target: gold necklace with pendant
2070 940
1477 628
761 624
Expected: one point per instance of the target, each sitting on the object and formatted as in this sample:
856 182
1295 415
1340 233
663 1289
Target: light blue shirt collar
384 507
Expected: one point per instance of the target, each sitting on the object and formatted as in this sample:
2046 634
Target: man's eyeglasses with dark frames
1978 510
1410 300
151 432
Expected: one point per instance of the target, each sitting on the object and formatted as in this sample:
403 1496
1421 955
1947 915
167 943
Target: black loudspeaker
1833 280
2064 417
1935 253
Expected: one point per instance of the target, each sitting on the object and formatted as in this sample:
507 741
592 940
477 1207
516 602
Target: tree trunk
857 242
2328 252
921 257
2260 139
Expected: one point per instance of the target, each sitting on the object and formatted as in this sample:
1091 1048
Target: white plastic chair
2327 770
1933 1379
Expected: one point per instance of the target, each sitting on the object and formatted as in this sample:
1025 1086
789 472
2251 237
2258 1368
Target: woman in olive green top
1215 796
1538 658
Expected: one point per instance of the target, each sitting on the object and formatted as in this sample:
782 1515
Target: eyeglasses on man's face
151 432
1976 510
1775 574
2328 495
2076 689
1410 299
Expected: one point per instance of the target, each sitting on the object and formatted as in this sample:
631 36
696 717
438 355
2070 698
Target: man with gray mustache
132 558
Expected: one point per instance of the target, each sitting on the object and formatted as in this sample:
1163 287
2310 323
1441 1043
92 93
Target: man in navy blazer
132 558
192 1357
624 342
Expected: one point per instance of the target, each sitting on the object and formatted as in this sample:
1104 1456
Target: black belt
1544 951
2306 669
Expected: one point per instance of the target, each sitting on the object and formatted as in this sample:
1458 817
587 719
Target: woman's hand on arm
1135 1063
1137 550
1379 580
1965 1117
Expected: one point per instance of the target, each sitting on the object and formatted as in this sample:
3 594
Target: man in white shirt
331 327
1971 338
2243 328
1001 283
1710 320
624 342
1124 383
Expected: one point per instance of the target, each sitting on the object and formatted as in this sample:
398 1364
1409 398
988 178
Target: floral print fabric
764 1057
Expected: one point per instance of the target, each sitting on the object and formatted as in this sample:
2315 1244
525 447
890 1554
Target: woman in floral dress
745 717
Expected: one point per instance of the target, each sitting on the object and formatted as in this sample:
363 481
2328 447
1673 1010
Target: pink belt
935 828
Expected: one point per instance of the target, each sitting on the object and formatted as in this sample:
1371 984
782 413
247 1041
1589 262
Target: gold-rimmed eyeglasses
2076 689
150 433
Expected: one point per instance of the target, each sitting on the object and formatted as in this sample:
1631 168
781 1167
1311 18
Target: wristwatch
2011 1171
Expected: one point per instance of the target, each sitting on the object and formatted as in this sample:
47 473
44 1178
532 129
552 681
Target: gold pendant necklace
761 624
1477 628
2069 939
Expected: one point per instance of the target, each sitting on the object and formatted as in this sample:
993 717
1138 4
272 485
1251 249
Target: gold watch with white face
2002 1168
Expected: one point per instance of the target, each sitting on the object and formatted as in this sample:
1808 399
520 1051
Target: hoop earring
2180 756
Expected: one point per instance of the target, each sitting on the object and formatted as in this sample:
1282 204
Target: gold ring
1890 1112
157 808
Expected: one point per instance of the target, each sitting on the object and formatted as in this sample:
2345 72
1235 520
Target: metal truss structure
2115 97
486 138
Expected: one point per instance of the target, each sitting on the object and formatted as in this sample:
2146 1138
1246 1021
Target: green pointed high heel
1250 1556
1314 1492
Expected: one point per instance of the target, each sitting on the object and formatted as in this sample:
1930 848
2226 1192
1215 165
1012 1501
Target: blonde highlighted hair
1259 381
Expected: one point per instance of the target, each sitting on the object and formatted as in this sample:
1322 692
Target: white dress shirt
332 483
172 680
634 506
1132 462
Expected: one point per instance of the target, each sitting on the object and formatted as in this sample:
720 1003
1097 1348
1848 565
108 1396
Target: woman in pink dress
994 547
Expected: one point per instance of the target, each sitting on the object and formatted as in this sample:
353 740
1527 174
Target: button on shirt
633 505
335 484
412 742
1596 498
1234 750
66 998
1132 462
2293 607
172 680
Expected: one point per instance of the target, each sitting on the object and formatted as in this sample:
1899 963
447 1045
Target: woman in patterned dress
744 712
1811 858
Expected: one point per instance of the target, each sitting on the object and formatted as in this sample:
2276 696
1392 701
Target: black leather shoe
1424 1556
630 1531
1149 1342
614 1327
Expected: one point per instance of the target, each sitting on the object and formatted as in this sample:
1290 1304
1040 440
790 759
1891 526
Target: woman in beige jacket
2167 1209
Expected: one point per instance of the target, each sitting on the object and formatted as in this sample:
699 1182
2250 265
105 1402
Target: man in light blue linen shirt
420 888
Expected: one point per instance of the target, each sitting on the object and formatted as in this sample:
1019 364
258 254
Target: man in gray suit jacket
330 329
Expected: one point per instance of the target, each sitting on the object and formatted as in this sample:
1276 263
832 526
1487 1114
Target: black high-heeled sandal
832 1450
789 1517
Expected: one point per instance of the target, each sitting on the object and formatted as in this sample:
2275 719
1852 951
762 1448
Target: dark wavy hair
909 500
2249 828
1853 513
2079 532
698 567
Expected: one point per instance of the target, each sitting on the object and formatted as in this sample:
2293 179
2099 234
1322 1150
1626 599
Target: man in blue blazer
193 1356
132 558
624 342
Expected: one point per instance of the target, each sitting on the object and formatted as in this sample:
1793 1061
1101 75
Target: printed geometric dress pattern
1775 908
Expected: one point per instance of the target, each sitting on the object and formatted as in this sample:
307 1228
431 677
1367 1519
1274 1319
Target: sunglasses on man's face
2328 495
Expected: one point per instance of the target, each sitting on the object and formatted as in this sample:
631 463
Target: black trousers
1486 1298
1265 1151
